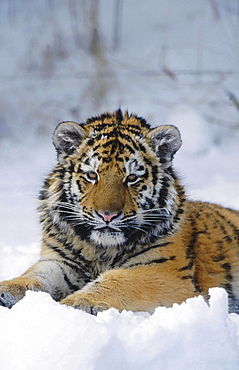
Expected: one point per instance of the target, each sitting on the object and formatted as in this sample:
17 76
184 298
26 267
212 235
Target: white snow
38 333
177 62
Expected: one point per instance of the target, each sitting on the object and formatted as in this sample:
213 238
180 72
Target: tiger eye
132 178
92 175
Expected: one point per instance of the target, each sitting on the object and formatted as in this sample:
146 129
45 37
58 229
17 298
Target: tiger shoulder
117 229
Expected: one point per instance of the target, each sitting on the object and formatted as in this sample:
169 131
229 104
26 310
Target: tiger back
117 228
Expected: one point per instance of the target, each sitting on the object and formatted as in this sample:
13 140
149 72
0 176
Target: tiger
117 228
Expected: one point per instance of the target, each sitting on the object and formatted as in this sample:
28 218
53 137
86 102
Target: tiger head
115 183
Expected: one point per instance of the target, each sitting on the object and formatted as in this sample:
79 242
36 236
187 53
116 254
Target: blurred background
169 61
70 59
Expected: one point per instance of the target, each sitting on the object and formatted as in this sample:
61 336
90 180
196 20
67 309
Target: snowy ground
38 333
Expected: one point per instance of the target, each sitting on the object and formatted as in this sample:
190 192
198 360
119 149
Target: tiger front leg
11 291
46 276
135 289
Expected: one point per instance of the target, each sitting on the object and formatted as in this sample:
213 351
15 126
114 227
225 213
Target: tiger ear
67 137
165 141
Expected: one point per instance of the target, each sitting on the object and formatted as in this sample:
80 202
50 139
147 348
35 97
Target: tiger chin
117 230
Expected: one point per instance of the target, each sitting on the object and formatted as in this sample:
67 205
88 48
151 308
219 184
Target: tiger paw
84 304
11 291
7 299
10 294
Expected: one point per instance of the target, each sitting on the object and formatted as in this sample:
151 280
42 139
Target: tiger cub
117 229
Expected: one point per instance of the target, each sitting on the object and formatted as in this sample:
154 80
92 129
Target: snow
170 68
38 333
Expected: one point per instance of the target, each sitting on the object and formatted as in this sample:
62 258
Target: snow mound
39 333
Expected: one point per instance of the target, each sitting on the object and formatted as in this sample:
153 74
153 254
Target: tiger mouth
104 228
108 228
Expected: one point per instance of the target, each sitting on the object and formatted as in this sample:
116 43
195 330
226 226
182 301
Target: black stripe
185 277
161 260
221 256
58 250
69 263
144 251
155 175
163 193
72 286
190 253
227 268
83 268
157 261
79 258
143 122
127 137
142 148
107 159
119 255
119 115
97 118
194 282
233 301
147 161
187 267
228 222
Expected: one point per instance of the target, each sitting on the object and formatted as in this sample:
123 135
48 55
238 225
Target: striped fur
117 229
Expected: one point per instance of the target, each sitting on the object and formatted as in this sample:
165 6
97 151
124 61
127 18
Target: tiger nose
107 216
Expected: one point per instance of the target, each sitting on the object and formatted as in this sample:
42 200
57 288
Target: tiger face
116 183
